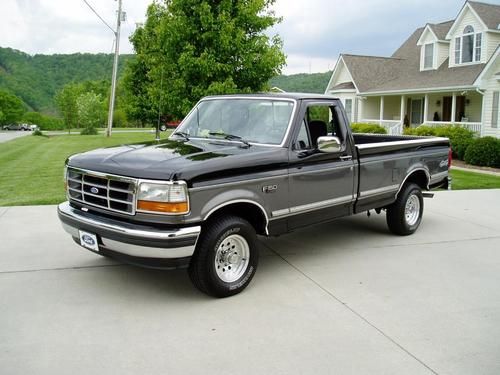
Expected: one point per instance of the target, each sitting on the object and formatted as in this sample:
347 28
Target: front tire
405 214
226 257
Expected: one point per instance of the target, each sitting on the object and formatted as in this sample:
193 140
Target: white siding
443 50
489 85
371 108
468 19
474 108
427 37
392 107
490 44
342 75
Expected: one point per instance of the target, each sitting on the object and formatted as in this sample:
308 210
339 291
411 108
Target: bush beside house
358 127
460 138
484 151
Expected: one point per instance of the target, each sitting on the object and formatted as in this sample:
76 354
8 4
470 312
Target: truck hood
192 161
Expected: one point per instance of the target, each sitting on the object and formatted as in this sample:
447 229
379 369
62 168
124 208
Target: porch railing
474 126
393 127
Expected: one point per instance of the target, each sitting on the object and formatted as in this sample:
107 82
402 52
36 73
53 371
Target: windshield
253 120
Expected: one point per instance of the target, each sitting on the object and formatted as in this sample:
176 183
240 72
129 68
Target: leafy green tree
66 100
11 108
91 112
191 48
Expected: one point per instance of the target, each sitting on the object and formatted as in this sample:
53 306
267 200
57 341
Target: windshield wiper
183 135
231 137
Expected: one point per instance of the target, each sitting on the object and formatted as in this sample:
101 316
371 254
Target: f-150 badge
269 188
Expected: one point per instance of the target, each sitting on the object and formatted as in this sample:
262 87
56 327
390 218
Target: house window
494 113
348 108
428 55
468 46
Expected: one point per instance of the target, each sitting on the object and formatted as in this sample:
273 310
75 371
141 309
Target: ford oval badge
94 190
88 240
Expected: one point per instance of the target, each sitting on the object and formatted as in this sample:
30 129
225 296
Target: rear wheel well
248 211
418 177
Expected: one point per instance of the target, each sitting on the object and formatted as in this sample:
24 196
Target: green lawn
469 180
31 168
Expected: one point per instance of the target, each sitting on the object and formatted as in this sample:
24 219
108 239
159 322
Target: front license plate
89 240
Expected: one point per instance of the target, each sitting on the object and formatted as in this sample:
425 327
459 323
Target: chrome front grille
110 192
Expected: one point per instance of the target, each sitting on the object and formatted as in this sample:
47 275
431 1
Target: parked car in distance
169 125
13 127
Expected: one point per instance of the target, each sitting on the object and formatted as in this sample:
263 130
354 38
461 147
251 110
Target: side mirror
329 144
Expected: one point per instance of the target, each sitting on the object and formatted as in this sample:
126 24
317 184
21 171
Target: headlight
167 198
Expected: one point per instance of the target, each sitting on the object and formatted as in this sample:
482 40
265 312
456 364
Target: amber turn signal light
164 207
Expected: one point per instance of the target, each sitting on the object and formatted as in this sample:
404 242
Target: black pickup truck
238 167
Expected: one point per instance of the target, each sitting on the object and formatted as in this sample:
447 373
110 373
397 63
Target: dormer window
468 46
428 55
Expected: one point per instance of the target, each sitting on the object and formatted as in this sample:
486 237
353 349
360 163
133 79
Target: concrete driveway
339 298
7 135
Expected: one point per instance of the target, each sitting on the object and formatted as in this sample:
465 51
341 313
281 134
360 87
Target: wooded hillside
36 79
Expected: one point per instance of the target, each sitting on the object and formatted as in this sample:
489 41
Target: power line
97 14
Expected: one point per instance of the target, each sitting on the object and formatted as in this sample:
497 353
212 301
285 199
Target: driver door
321 184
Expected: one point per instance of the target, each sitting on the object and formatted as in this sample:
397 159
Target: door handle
346 157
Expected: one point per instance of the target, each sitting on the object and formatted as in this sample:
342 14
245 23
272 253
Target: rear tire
405 214
226 257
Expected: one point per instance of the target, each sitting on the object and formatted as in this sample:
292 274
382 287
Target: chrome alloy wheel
412 210
232 258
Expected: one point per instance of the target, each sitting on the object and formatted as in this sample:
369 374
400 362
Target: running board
428 195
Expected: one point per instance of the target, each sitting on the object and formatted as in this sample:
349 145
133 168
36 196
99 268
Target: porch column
359 113
381 117
402 110
453 106
426 107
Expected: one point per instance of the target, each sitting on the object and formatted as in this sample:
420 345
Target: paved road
340 298
11 134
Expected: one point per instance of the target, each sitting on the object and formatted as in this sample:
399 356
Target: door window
416 112
319 120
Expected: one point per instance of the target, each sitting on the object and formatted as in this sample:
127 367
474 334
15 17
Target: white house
446 73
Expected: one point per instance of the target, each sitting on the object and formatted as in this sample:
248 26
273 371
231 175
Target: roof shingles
401 71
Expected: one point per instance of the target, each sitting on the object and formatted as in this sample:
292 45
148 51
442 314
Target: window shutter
457 50
494 113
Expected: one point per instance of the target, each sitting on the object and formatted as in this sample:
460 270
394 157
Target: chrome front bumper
116 237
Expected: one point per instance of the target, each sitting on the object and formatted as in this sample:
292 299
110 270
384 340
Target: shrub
358 127
89 131
38 133
484 152
460 137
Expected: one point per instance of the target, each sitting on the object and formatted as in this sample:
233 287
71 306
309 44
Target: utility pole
115 69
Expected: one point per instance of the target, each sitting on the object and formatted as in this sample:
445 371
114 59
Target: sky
314 32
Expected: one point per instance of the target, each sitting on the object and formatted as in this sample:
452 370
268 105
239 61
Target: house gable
466 16
468 22
341 78
428 36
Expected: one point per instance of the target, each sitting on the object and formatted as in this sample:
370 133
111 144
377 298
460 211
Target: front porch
394 112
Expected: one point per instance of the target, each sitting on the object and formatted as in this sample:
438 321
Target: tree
66 99
191 48
66 102
91 112
11 108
